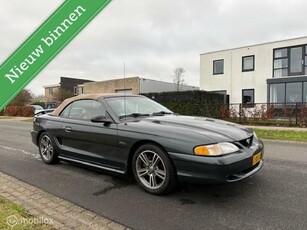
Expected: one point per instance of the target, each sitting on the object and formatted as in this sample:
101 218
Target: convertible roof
66 102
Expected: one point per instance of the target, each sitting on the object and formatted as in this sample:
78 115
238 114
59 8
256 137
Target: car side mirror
101 119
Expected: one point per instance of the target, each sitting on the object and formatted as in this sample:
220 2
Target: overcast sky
151 36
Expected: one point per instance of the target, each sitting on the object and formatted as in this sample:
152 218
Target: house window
218 67
290 92
248 97
290 61
75 90
277 93
281 62
248 63
80 90
305 92
294 92
50 91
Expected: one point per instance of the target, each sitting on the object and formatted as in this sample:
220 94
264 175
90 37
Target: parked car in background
133 133
38 109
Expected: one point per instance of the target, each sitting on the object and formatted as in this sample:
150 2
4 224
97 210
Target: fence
207 104
294 114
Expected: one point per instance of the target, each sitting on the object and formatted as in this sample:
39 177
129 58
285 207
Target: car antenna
125 92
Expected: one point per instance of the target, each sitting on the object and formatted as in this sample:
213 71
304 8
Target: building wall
54 96
71 84
150 86
234 80
113 86
133 85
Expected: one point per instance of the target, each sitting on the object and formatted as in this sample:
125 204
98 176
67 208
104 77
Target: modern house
67 86
274 72
131 85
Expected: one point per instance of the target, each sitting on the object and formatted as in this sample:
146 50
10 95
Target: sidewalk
6 118
62 214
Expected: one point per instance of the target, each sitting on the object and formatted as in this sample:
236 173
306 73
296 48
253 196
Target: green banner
44 44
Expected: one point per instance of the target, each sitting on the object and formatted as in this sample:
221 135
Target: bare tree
38 98
63 94
178 77
23 98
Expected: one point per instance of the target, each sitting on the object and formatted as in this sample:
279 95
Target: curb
61 213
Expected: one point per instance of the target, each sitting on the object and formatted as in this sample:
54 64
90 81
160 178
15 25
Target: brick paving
42 205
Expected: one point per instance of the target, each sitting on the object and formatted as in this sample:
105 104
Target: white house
273 72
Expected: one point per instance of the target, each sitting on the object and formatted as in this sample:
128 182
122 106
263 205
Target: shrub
27 111
12 111
19 111
193 103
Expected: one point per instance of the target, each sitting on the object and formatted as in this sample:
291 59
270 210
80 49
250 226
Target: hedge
192 103
19 111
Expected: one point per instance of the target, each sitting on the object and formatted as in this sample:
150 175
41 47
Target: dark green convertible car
133 133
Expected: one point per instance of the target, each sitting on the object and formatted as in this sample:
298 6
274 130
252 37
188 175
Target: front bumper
221 169
34 136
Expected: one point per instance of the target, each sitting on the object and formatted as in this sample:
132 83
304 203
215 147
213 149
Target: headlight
216 149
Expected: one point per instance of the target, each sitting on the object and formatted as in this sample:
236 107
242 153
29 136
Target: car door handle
68 129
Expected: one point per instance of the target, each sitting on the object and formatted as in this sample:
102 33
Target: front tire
154 170
47 149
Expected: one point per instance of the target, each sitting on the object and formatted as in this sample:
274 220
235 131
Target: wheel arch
136 146
39 135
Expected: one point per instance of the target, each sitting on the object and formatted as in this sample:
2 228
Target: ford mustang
135 134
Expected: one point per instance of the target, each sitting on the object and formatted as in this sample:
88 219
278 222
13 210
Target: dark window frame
248 70
286 92
285 88
252 104
304 89
218 73
288 48
75 90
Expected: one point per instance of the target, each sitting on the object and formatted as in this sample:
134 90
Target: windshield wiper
134 115
161 113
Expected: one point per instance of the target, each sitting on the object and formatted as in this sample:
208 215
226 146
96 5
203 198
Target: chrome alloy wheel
150 169
46 148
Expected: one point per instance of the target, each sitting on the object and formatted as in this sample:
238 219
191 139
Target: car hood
215 129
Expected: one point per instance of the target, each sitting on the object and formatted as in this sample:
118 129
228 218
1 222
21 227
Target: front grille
247 142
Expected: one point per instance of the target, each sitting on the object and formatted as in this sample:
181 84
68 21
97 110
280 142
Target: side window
85 109
65 112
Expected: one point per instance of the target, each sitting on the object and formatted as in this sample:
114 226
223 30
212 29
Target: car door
83 140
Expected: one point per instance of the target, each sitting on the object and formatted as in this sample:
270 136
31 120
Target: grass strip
286 135
13 216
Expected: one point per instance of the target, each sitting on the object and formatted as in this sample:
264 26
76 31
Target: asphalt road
274 198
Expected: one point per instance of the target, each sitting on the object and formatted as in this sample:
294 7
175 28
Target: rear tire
154 170
47 149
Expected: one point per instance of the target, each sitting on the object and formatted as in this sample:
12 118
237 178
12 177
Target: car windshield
136 106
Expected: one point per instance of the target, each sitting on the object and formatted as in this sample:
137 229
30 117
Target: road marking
24 152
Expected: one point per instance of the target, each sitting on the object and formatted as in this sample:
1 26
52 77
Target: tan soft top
66 102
